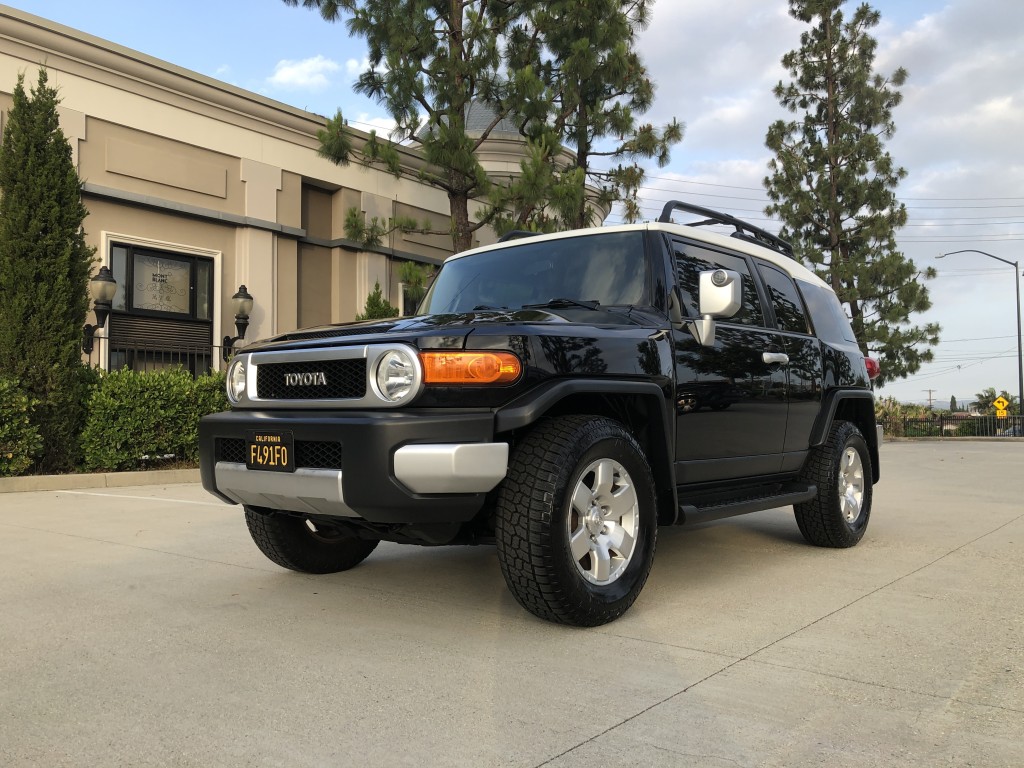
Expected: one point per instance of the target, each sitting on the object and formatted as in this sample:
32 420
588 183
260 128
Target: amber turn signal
470 367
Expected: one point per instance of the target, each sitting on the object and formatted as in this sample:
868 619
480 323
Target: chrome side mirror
721 296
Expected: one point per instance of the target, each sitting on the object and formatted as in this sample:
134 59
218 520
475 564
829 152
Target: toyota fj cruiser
561 396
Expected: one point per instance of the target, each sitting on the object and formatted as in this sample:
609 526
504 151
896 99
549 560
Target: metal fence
955 425
142 356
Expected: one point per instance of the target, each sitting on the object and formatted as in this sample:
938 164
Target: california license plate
270 451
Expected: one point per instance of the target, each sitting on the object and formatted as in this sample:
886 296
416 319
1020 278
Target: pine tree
833 184
377 307
44 269
596 86
429 62
952 404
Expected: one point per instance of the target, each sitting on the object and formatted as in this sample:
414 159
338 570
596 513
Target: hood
460 324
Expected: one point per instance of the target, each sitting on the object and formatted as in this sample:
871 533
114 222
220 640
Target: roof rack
744 231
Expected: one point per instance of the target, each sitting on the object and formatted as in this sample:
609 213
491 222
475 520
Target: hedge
20 442
136 420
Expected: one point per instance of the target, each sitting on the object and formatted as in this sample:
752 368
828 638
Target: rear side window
691 260
790 314
830 321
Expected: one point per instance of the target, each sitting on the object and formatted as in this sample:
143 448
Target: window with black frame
162 314
692 259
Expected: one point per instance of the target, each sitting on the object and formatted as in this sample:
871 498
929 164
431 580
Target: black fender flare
830 404
531 407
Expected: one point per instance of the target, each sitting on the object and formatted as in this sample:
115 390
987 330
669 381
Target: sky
959 130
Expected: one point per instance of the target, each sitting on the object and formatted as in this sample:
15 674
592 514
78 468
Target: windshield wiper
488 307
563 303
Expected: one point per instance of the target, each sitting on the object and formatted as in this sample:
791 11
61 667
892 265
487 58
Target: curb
100 480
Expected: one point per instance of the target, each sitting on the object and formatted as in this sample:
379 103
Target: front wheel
841 468
577 521
299 544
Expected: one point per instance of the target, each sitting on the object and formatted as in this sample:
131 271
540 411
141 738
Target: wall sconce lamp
101 290
241 302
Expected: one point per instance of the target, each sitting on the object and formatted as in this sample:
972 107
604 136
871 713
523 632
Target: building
195 187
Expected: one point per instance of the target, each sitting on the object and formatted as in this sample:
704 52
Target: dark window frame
765 268
128 282
751 276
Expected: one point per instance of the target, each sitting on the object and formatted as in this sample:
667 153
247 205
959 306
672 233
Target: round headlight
235 383
396 375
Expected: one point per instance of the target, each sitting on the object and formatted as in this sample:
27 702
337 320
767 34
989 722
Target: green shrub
20 442
138 419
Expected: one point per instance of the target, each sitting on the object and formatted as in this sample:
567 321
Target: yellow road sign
1001 413
1000 404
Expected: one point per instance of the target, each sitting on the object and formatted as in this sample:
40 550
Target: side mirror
721 296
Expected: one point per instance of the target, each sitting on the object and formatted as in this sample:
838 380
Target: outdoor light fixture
101 290
1020 353
241 302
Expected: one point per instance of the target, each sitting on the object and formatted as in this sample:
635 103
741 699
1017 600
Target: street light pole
1020 355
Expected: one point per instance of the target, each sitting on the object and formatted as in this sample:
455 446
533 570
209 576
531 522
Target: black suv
561 396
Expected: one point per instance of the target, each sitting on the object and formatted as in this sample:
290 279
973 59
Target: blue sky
958 130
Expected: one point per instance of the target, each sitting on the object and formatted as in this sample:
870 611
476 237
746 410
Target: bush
137 419
20 442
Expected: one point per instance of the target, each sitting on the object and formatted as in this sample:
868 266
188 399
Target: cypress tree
832 182
377 307
44 270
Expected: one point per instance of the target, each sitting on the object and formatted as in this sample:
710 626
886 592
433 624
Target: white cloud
363 121
307 74
355 67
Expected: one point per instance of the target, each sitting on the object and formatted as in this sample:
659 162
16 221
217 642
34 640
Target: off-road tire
561 457
288 541
841 468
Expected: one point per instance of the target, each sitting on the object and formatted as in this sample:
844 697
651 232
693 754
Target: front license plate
270 451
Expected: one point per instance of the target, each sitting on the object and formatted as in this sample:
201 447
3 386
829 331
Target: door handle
775 358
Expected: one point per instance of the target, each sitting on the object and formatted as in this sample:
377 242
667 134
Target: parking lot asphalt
140 626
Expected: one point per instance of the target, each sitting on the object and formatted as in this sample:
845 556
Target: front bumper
384 467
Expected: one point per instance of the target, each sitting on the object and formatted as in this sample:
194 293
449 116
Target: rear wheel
841 468
577 523
299 544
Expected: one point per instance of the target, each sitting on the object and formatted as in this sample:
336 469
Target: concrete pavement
139 626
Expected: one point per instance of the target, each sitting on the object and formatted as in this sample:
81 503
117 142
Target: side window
691 260
790 313
830 321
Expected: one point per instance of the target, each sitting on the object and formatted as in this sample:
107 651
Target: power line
761 189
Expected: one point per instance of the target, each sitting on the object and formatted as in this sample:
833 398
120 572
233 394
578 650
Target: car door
731 406
803 370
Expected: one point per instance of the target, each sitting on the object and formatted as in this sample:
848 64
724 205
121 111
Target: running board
754 500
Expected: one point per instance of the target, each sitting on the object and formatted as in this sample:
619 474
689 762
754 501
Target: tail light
874 368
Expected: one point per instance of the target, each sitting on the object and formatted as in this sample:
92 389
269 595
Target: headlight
397 375
235 383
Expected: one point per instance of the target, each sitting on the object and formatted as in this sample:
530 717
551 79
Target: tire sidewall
610 443
852 438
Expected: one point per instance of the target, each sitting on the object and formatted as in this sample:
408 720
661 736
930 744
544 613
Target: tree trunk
462 235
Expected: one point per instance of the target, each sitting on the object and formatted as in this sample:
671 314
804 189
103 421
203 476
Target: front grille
344 379
311 454
231 449
317 454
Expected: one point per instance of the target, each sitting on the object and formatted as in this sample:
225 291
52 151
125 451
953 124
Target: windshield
607 268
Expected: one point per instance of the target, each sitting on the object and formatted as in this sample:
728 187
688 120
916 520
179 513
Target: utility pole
930 398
